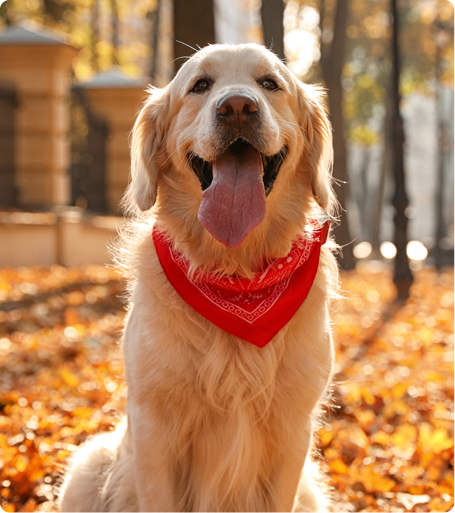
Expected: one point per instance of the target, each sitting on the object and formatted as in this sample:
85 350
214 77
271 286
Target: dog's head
234 153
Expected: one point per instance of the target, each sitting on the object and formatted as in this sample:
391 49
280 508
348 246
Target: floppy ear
147 146
318 137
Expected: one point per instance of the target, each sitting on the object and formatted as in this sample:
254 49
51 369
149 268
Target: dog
231 165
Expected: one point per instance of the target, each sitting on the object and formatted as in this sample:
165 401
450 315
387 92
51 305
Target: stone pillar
116 98
38 62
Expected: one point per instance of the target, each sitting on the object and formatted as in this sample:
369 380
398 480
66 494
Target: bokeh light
416 250
363 250
388 250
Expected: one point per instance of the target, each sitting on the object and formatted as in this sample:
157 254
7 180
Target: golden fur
215 423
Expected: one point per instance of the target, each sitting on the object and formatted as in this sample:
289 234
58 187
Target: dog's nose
237 108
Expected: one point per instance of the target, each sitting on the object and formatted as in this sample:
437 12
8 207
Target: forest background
345 45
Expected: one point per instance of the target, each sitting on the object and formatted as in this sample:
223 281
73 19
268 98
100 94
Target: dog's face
237 149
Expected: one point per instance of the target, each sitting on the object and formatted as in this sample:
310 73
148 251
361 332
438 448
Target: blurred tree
6 13
272 12
442 33
155 16
57 10
402 274
332 63
95 16
194 26
385 169
115 32
366 73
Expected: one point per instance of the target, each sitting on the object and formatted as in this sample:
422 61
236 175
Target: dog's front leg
152 462
288 470
296 479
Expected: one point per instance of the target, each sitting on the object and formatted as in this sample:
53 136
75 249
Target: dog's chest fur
220 400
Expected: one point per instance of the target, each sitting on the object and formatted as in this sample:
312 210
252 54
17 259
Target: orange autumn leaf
70 379
365 417
338 466
29 506
434 440
399 390
380 437
371 479
404 436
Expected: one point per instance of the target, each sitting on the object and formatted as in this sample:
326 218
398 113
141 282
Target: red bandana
253 310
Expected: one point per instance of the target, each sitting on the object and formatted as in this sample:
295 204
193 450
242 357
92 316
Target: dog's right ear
317 129
147 145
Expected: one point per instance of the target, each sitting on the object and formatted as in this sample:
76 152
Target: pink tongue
234 203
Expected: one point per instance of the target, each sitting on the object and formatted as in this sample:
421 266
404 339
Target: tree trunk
376 220
8 14
272 14
95 36
155 19
364 200
402 275
194 26
115 38
332 69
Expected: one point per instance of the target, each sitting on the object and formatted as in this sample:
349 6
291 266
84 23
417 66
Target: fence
8 105
88 134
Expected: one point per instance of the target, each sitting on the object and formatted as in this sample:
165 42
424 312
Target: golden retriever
215 423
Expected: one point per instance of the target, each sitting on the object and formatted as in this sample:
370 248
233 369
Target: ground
387 443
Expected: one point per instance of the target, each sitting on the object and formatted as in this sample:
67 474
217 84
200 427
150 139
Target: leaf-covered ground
388 441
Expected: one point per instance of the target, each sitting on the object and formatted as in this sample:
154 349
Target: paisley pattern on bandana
253 310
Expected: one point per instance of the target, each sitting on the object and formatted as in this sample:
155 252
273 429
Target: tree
332 61
194 26
95 17
115 36
155 16
402 275
272 12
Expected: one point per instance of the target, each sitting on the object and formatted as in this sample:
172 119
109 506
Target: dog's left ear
318 143
147 148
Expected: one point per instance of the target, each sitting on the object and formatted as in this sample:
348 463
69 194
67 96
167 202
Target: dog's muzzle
235 184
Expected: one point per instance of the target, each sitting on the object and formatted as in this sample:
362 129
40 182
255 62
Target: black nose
237 109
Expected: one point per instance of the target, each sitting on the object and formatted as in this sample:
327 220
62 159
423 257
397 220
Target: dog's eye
201 86
268 83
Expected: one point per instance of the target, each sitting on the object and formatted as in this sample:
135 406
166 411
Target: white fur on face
232 72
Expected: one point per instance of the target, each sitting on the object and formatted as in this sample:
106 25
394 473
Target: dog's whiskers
186 141
186 44
290 135
290 122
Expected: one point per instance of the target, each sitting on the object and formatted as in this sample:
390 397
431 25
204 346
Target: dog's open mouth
234 190
271 165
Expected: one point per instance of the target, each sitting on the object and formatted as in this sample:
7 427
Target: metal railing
88 134
8 106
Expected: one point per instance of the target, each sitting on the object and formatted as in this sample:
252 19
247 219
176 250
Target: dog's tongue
234 203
